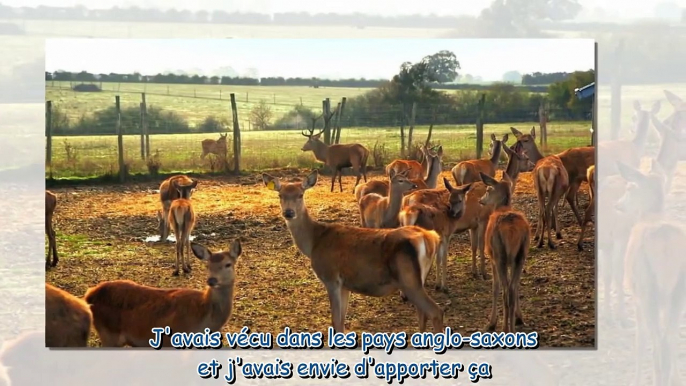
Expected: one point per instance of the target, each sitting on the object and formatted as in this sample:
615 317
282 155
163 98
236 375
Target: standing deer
468 171
590 175
551 181
672 140
124 313
656 270
475 216
168 193
507 243
415 169
338 157
67 319
371 262
50 205
381 187
216 147
382 212
445 221
576 162
182 220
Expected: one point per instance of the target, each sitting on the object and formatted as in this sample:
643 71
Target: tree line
168 78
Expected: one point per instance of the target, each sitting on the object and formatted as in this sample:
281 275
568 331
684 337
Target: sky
622 8
332 58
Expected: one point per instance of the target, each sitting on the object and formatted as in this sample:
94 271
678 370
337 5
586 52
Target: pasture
90 156
101 231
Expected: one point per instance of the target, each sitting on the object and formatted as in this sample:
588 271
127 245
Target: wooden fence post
336 118
48 134
338 121
411 129
236 136
326 108
120 141
145 127
402 131
142 132
480 126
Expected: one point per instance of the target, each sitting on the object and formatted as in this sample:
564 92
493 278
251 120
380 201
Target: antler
311 131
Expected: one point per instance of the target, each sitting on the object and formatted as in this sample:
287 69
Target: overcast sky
367 58
624 9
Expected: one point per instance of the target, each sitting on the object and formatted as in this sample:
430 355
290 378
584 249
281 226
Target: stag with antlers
338 156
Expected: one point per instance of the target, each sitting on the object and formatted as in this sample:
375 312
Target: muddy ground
101 231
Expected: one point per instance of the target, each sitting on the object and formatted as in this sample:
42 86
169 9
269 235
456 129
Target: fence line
176 147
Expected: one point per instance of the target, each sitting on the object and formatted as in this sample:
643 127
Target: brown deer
50 205
551 181
211 146
507 243
382 212
381 187
124 313
576 162
67 319
182 220
671 145
655 269
370 262
445 221
338 157
168 193
468 171
415 169
475 217
629 151
588 214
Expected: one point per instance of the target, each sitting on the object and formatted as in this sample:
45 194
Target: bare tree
261 115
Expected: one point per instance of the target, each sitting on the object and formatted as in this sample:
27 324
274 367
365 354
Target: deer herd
406 223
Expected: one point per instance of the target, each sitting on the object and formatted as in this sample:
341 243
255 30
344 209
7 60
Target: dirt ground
101 231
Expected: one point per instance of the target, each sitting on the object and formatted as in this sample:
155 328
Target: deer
445 221
382 212
182 220
124 312
551 181
169 193
381 187
575 161
415 169
507 240
468 171
655 269
216 147
50 205
67 319
590 176
369 262
671 144
629 151
338 157
475 216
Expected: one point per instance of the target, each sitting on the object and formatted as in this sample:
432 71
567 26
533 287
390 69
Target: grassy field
88 156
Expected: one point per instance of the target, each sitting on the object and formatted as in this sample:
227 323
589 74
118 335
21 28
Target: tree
442 66
512 77
261 115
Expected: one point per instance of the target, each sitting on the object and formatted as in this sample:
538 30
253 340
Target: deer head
291 194
220 265
456 198
498 193
185 191
312 139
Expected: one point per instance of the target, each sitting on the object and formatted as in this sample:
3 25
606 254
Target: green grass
97 155
195 102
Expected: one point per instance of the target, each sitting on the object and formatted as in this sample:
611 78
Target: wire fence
159 136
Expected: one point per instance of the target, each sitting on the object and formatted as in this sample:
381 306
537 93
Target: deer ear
656 107
493 138
674 100
194 184
236 249
508 151
629 173
516 132
505 138
533 132
637 105
200 251
464 189
270 182
391 173
447 184
439 152
310 180
488 180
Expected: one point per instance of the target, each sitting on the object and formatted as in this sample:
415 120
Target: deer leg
516 277
410 282
571 199
53 240
539 226
474 241
335 292
443 255
481 233
340 183
187 253
178 257
333 179
494 307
